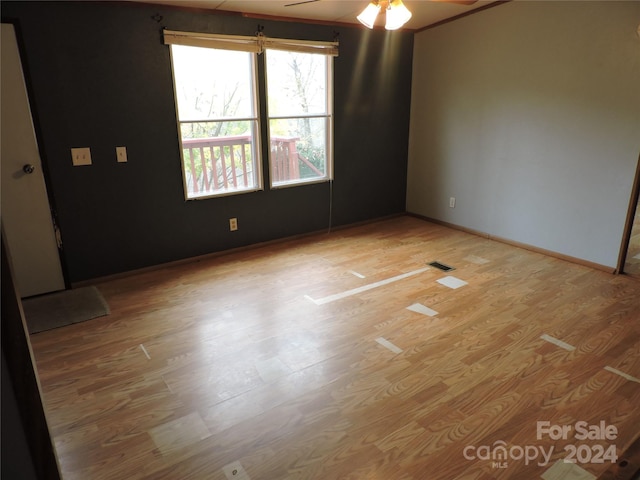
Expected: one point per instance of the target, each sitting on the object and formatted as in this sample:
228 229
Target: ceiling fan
461 2
396 13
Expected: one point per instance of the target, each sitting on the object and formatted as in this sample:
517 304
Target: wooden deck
218 165
300 360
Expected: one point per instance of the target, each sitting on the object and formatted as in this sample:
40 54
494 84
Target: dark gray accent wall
100 77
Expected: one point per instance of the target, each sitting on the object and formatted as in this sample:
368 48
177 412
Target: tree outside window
299 104
217 106
217 114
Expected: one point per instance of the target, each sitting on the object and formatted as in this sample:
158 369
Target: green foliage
315 155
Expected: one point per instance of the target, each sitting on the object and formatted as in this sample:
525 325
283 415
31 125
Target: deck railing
219 164
286 160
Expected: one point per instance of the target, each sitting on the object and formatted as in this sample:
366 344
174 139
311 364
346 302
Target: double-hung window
216 101
300 116
216 94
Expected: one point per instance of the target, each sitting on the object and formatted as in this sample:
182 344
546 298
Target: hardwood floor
300 360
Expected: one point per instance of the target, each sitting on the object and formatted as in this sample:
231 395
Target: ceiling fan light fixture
397 15
368 16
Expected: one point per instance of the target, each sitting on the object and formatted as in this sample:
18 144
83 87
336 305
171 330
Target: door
632 259
629 258
26 215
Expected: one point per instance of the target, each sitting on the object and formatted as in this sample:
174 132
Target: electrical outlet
81 156
233 224
121 154
452 202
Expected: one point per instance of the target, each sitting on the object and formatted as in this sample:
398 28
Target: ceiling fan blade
302 2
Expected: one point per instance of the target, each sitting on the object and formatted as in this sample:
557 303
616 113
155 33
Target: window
217 108
300 117
218 121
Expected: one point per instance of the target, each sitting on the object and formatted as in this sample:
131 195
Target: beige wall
529 114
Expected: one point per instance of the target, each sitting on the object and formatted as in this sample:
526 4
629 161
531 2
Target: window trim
329 131
256 135
256 45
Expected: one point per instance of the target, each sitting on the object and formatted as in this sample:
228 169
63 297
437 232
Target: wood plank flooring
228 365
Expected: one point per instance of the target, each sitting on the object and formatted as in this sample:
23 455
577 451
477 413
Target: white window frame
257 44
328 116
257 183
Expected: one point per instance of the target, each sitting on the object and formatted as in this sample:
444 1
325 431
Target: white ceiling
425 12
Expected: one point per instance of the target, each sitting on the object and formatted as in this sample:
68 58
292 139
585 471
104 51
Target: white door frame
628 226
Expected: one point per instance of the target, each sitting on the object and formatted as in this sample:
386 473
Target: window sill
225 193
298 183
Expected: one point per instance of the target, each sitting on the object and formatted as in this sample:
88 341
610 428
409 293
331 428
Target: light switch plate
81 156
121 154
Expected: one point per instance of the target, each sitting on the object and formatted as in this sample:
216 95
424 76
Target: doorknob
28 168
